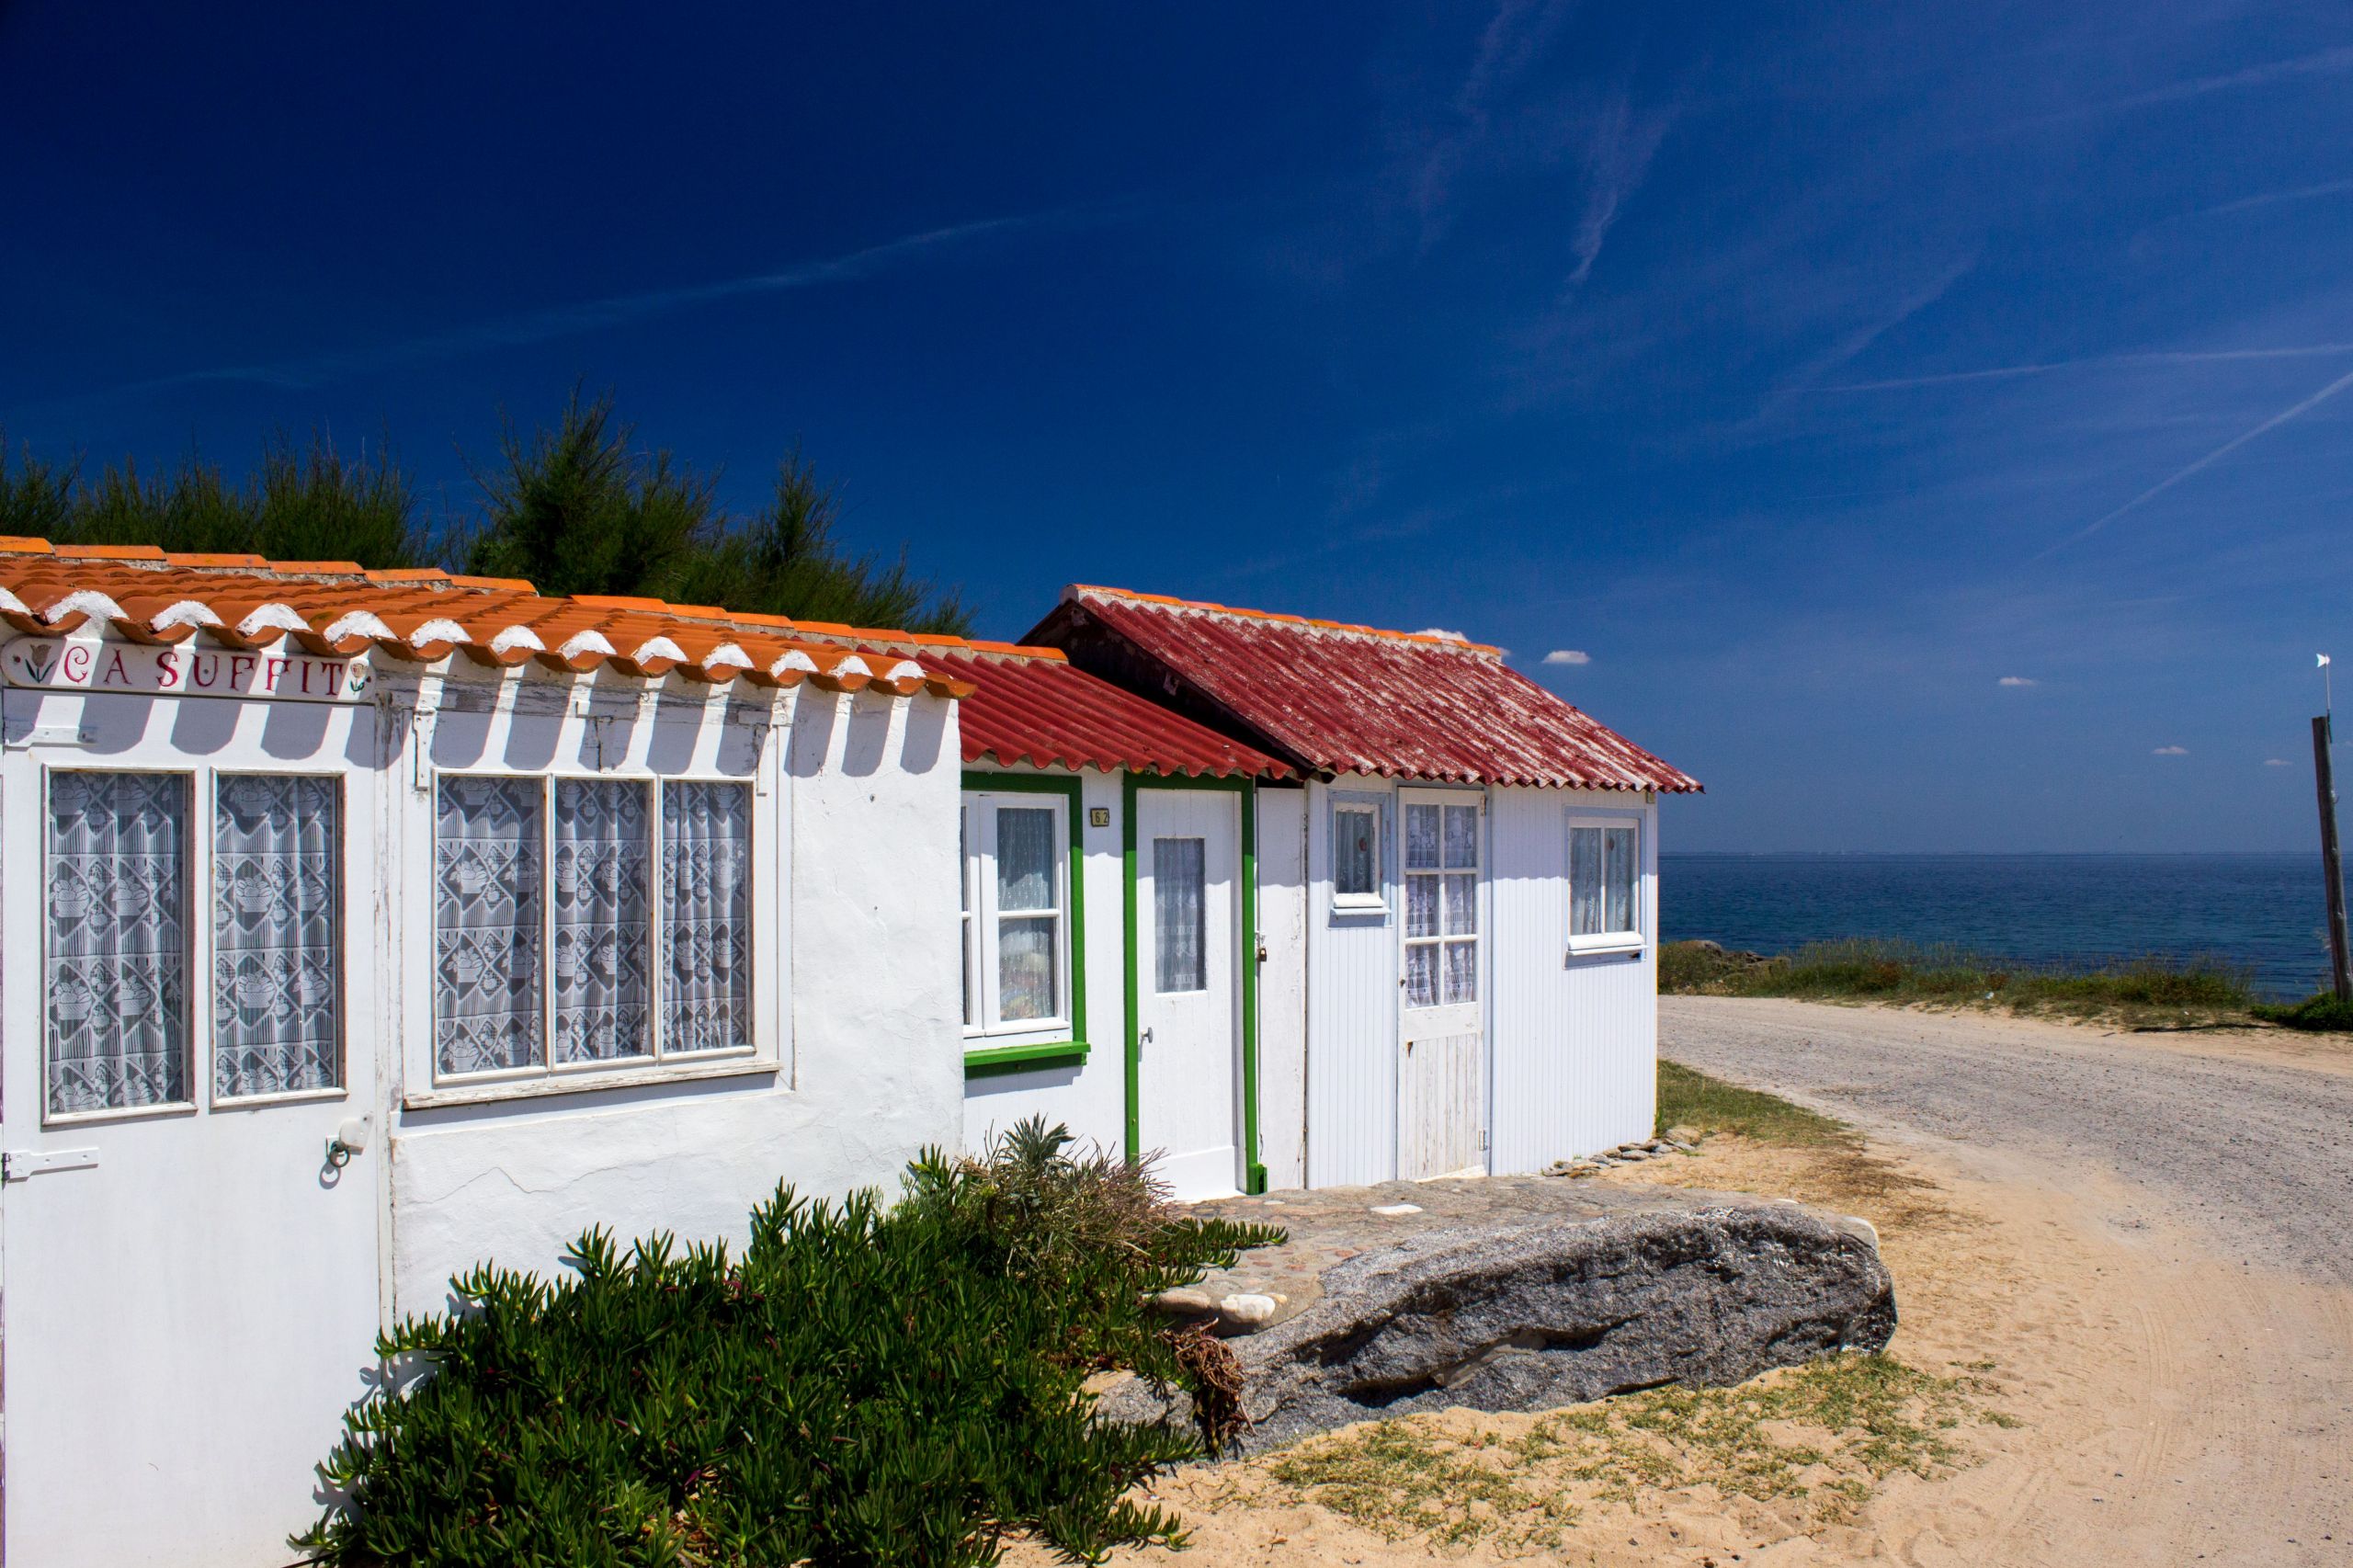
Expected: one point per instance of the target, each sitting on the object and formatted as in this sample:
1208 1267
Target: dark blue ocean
2264 912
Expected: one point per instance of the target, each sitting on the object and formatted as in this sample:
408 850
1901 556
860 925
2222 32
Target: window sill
988 1061
1592 947
541 1087
124 1113
1359 908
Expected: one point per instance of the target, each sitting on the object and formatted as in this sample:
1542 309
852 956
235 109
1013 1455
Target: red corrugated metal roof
1029 707
1344 698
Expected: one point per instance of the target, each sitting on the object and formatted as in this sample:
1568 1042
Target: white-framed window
1357 885
1441 903
116 942
153 926
1016 913
1604 882
589 922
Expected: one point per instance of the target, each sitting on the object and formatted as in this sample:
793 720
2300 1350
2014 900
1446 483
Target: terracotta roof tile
423 614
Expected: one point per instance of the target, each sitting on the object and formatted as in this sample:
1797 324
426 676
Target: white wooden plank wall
1576 1038
1352 1017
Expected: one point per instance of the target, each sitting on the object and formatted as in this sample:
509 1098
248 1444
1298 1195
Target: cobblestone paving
1338 1222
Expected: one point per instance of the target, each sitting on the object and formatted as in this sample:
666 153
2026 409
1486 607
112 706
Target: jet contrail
2209 461
2099 361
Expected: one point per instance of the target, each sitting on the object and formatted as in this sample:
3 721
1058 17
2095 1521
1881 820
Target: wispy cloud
590 315
2097 362
2209 461
2320 62
1856 339
2017 680
1568 656
1514 38
1616 160
2274 197
2170 751
2276 762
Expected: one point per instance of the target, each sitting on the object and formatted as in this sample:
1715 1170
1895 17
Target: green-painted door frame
1245 956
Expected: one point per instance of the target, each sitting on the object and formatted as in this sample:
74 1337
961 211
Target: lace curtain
706 928
1601 880
1179 916
487 876
1028 937
603 920
117 966
276 972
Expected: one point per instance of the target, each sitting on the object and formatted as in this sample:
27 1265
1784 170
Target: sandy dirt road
2142 1240
2189 1348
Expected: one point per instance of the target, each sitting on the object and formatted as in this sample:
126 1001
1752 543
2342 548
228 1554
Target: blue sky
1922 420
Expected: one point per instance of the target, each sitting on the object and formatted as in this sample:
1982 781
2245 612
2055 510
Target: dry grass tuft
1821 1436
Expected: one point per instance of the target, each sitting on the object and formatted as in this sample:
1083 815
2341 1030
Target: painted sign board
182 670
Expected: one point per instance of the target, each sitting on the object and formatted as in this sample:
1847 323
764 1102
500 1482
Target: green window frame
982 1058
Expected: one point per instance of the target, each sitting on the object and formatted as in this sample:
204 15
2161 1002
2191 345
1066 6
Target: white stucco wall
1090 1098
856 982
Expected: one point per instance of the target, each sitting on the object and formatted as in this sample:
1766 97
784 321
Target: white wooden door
1442 1054
1189 995
191 1293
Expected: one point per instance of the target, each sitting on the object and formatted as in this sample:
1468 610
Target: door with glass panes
1188 1036
190 1265
1441 1040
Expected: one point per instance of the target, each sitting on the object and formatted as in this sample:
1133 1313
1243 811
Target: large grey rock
1534 1317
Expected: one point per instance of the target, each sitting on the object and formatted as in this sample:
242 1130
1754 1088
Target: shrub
2322 1012
858 1387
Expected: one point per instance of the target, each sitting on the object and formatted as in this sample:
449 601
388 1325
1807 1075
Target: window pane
1421 906
1585 881
1462 905
1461 972
1026 962
1461 837
706 916
1180 914
1421 975
118 940
276 977
487 874
604 920
1025 858
1421 838
1356 851
1619 851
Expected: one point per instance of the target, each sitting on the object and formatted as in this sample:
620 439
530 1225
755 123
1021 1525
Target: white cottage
1469 972
361 926
1115 874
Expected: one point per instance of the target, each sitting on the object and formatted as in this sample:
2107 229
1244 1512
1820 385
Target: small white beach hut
1472 957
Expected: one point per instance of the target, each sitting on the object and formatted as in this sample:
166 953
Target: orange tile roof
419 615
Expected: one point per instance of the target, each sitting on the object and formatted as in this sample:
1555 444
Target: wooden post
2332 862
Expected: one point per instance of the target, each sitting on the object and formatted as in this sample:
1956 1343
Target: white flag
2324 660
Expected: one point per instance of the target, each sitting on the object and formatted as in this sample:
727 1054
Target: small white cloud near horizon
1568 656
2170 751
2017 680
2276 762
1442 631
